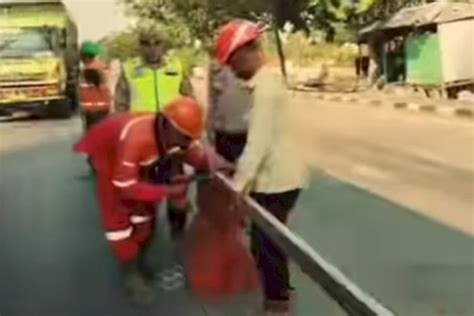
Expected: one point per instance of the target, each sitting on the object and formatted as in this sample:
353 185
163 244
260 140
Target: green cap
90 48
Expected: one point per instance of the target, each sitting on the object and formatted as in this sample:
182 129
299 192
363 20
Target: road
55 261
54 258
423 162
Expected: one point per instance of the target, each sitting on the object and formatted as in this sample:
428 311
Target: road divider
446 108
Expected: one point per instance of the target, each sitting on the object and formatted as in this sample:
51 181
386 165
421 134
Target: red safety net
218 259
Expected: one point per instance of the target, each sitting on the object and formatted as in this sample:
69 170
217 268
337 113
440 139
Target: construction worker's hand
218 163
181 179
176 190
237 202
227 169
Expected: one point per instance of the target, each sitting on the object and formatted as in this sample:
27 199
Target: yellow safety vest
152 89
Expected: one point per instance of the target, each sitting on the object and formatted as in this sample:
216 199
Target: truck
39 58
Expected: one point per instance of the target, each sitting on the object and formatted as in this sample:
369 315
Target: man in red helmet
123 149
271 169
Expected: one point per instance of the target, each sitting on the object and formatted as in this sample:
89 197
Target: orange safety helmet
186 115
233 36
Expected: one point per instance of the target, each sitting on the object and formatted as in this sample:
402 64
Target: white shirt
272 161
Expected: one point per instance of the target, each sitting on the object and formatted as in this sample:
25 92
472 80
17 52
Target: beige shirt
272 161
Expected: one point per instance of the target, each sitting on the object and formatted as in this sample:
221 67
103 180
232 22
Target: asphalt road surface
417 160
54 259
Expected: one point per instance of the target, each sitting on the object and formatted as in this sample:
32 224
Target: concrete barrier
445 108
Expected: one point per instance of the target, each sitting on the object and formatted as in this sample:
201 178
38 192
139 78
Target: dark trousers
90 118
166 168
273 263
93 117
230 145
362 65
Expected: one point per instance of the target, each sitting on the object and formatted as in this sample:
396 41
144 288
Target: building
430 46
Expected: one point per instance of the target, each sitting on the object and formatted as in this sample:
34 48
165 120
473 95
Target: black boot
146 269
177 219
139 292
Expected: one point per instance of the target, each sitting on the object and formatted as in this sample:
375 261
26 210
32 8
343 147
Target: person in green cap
95 97
89 51
147 84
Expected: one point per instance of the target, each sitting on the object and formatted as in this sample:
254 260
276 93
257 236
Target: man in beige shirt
271 169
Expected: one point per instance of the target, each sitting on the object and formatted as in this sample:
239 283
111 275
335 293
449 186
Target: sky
96 18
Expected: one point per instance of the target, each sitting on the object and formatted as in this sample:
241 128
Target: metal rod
346 293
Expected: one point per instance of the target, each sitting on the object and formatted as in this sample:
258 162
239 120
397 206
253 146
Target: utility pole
279 44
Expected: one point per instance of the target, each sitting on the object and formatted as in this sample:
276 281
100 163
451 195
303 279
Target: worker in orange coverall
124 149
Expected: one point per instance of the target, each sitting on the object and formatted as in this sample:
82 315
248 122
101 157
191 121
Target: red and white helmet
233 36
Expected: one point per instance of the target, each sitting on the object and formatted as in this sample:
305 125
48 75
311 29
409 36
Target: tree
121 45
382 9
203 17
324 14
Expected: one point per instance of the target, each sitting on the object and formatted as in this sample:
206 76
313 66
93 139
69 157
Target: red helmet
186 115
233 36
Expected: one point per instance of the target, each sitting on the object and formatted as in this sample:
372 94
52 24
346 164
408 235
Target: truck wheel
59 110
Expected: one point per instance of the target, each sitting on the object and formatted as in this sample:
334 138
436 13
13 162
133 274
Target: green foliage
188 20
384 8
199 19
191 57
301 51
121 46
203 17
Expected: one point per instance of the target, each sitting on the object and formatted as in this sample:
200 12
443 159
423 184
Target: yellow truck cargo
39 59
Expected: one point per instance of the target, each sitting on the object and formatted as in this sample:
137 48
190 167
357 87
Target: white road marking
371 172
413 107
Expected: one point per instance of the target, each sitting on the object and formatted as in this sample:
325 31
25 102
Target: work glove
181 179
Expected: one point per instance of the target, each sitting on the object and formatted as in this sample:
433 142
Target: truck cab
39 59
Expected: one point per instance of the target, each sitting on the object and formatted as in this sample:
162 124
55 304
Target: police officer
151 81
